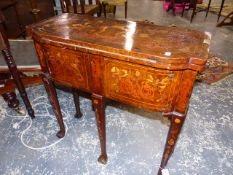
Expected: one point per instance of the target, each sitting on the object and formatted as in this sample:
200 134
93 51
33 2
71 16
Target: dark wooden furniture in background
114 4
228 17
192 4
81 7
9 8
224 23
134 63
19 13
8 85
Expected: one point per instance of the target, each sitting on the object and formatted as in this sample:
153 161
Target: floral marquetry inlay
67 67
133 82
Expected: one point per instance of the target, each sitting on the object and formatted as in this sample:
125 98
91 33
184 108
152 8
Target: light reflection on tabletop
131 28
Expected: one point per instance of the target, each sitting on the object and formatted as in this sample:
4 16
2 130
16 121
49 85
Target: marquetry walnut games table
143 65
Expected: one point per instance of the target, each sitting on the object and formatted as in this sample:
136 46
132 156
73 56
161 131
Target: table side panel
138 85
141 86
68 67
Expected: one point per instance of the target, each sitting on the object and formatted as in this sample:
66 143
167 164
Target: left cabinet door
68 67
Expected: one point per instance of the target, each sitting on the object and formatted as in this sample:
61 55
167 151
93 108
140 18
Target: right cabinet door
141 86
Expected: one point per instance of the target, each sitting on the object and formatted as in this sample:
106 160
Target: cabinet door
141 86
68 67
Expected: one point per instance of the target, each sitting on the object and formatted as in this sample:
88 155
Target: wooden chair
20 80
193 4
114 3
7 84
228 20
80 7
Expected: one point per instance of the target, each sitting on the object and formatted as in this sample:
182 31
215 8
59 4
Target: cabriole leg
99 106
77 104
52 95
177 121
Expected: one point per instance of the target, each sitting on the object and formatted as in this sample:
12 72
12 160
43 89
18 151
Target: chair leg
208 8
104 8
100 11
194 10
114 10
183 8
9 97
11 100
126 7
15 74
220 11
223 23
172 6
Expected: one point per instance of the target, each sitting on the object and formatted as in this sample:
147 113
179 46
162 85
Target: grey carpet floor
135 138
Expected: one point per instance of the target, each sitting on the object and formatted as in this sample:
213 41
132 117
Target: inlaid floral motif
68 68
133 82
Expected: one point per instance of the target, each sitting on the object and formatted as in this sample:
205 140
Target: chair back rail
80 6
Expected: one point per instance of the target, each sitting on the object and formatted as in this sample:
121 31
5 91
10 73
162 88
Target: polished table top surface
158 44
